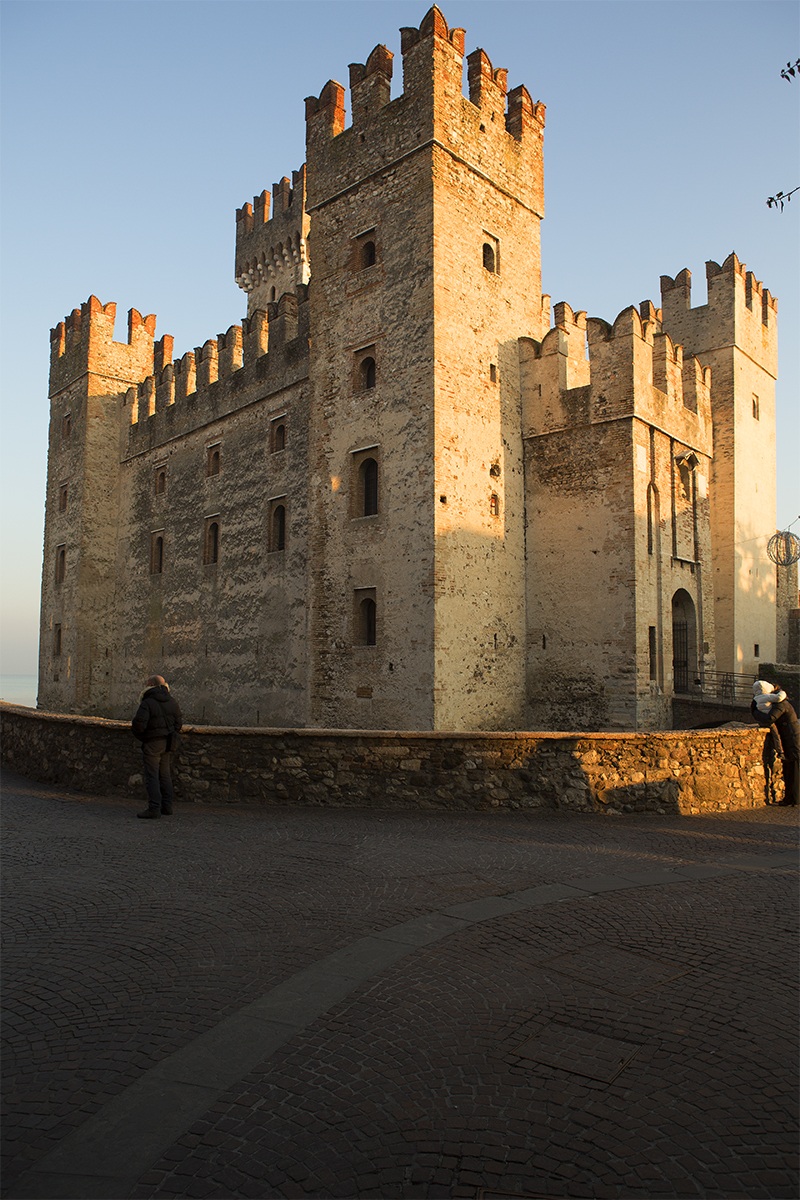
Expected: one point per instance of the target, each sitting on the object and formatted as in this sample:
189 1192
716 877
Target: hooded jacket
772 710
158 715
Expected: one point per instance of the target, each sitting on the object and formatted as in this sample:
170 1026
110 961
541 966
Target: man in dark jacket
156 724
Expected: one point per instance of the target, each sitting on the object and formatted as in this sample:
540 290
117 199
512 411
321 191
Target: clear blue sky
132 130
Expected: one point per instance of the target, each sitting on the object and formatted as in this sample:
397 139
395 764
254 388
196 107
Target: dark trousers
791 777
157 778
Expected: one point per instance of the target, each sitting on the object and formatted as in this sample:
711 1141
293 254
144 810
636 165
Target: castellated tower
88 371
618 456
426 266
394 497
735 333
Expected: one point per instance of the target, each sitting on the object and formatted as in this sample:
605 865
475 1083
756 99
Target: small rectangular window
756 407
365 369
365 482
492 372
214 459
277 434
365 617
491 254
62 498
757 650
365 251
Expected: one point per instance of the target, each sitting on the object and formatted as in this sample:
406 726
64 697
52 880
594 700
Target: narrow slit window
494 505
277 530
366 618
56 641
368 472
62 497
156 554
61 563
488 257
161 481
211 543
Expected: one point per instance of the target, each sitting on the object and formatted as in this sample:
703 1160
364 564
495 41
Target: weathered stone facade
394 497
698 771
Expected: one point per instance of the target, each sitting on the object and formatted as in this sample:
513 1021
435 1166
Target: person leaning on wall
773 711
156 724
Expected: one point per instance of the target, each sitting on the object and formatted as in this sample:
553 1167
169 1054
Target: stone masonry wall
679 772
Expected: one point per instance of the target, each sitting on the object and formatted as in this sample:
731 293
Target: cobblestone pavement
246 1002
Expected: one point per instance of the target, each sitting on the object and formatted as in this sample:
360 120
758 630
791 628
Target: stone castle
395 497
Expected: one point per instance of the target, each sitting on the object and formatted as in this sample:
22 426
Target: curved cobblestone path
332 1003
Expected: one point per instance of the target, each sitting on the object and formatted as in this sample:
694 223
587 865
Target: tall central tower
425 257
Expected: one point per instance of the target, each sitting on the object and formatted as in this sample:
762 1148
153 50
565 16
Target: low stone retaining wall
679 771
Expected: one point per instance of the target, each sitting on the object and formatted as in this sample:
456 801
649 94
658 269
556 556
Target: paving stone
326 1003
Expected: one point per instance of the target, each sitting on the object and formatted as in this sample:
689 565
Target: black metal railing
727 686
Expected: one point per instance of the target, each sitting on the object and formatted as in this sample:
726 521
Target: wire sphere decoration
784 548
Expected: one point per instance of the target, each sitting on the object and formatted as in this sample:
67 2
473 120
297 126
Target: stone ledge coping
421 734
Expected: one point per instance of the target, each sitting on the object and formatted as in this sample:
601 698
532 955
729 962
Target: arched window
279 437
161 481
488 257
213 460
211 548
367 614
368 472
278 532
368 373
368 254
61 563
157 554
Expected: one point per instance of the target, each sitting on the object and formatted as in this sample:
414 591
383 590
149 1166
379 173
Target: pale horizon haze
132 130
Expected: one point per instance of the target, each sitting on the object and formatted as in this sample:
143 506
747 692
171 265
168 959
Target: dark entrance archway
684 641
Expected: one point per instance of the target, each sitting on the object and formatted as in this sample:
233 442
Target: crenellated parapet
481 128
266 352
272 255
587 371
83 343
739 310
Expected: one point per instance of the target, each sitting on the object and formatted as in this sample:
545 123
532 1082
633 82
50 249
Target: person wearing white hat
772 711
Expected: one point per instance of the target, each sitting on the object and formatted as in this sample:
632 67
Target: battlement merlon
269 341
83 344
740 311
370 85
433 58
633 369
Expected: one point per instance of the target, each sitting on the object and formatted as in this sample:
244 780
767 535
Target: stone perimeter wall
684 772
